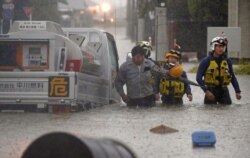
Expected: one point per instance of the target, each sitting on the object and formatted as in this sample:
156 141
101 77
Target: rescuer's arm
187 87
199 77
201 72
234 80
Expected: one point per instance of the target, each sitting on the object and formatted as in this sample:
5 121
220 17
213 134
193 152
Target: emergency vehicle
41 68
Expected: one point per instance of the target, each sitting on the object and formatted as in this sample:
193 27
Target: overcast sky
78 4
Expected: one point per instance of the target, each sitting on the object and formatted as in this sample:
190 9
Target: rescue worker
215 73
171 89
136 74
148 48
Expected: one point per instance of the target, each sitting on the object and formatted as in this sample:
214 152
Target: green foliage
243 61
144 6
177 10
205 13
208 10
243 69
46 10
189 20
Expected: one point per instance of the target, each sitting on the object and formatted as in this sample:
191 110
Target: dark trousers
147 101
221 94
171 100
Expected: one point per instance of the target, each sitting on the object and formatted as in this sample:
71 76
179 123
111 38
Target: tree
214 11
177 10
144 6
188 20
206 13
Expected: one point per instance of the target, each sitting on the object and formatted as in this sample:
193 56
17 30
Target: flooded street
231 124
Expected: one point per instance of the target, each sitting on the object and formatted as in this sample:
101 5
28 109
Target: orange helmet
176 71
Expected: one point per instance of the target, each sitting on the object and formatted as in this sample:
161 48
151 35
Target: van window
23 55
78 38
94 37
7 54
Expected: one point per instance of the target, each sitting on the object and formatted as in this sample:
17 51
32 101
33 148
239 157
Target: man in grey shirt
136 74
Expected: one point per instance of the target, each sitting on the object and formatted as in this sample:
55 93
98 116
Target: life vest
171 87
217 74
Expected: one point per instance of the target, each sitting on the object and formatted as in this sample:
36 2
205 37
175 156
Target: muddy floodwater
231 125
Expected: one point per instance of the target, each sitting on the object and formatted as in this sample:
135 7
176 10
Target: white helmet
218 41
146 46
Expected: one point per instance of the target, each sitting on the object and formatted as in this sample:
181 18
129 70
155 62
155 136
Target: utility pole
161 40
134 21
129 8
141 28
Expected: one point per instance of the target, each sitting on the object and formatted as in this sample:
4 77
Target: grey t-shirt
137 79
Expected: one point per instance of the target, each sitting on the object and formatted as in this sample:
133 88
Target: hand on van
125 98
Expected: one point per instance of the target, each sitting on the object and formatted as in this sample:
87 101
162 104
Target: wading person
172 90
215 73
136 75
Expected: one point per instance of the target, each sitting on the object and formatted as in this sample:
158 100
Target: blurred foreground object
63 145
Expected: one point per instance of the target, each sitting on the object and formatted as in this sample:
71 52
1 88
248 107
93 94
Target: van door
114 67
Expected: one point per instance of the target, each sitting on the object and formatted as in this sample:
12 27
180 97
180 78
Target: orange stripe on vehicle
19 55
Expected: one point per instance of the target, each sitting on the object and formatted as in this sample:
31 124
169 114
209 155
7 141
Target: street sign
8 1
7 9
27 11
8 6
32 25
7 14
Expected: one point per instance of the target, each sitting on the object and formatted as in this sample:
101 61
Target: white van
41 69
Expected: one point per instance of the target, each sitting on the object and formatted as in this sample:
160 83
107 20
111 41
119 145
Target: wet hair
137 50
